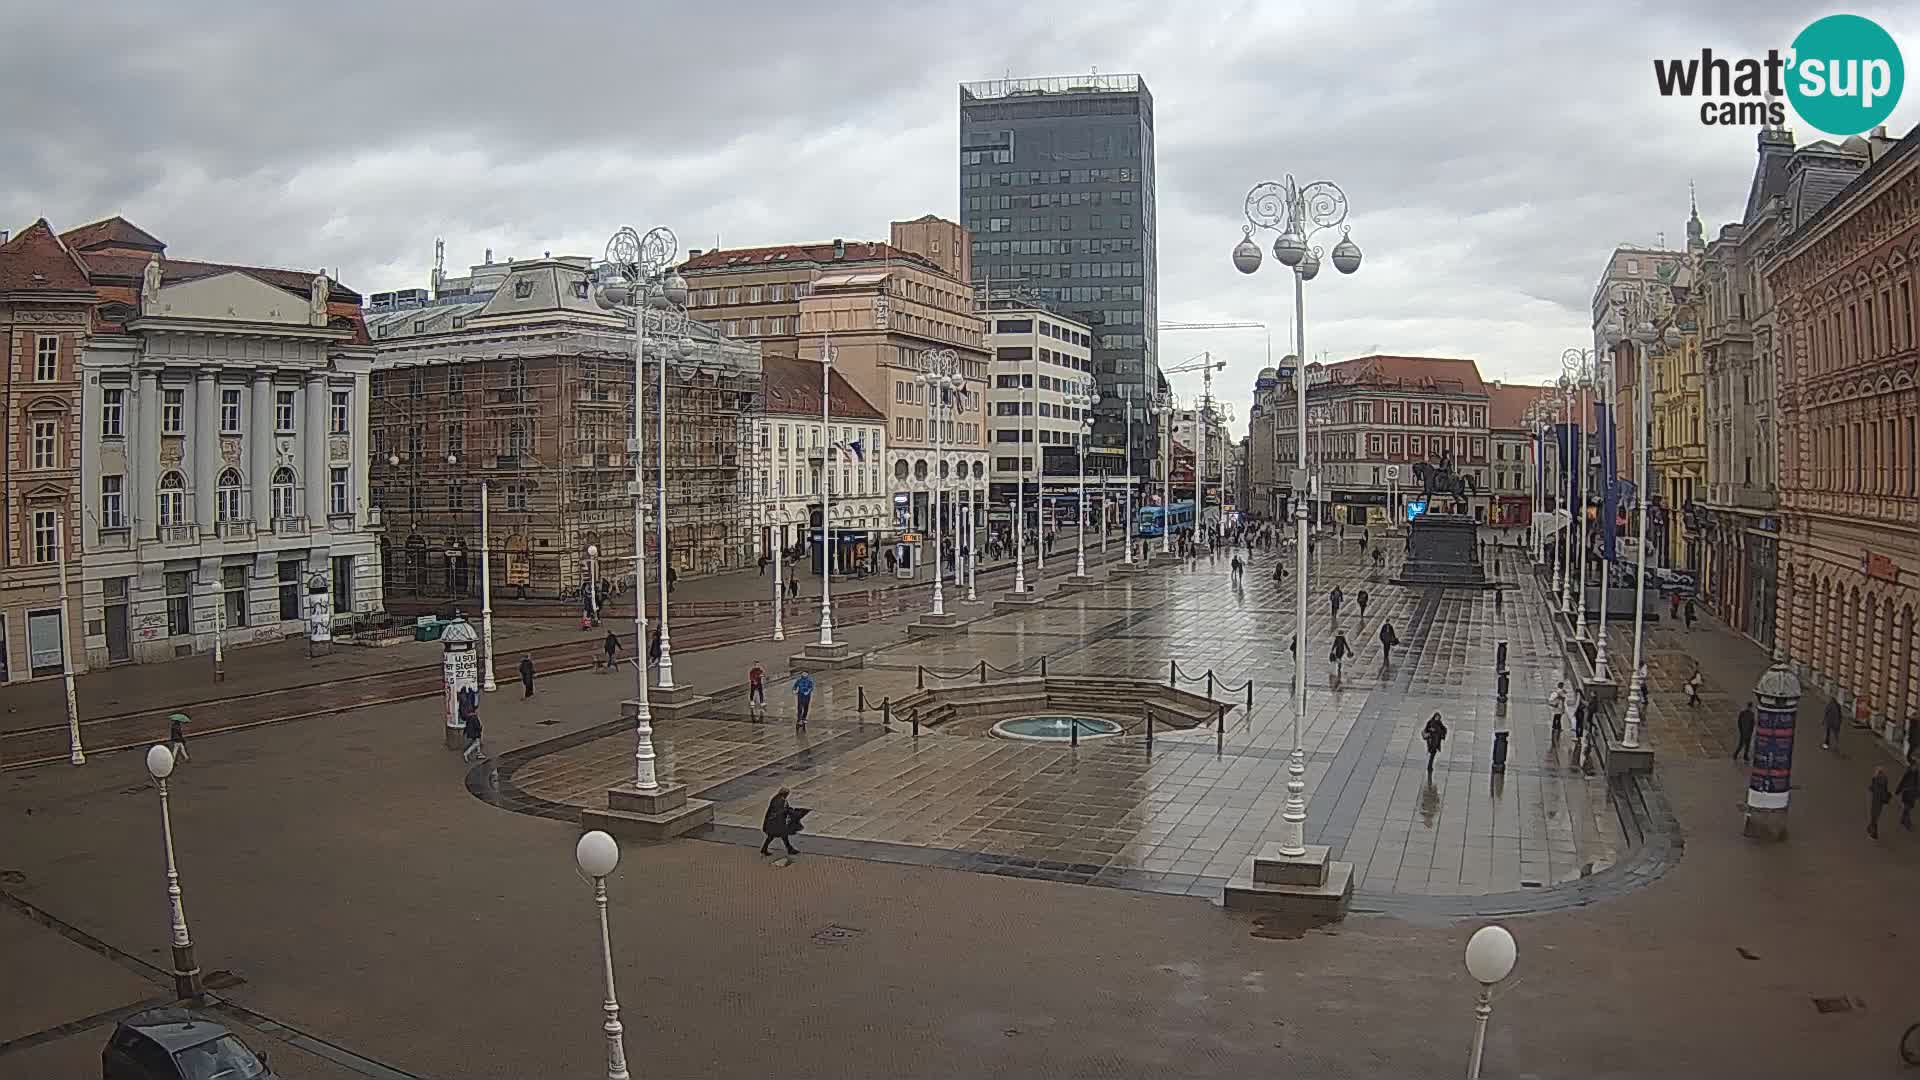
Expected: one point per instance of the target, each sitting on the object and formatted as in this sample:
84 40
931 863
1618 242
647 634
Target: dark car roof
175 1029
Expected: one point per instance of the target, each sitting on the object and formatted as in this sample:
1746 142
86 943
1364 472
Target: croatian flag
851 451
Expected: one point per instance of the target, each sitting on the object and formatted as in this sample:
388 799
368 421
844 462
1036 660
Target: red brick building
1371 419
1845 285
45 298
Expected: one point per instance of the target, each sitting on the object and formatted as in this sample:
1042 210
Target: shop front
1508 511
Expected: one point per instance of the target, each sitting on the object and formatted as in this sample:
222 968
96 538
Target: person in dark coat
1388 639
1362 600
1909 791
469 706
1580 712
612 646
781 822
1334 600
1831 725
1341 650
653 648
1435 733
1744 748
1879 795
526 673
1689 613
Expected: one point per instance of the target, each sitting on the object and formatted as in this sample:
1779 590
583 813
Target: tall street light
75 754
827 449
596 854
635 275
1490 957
487 681
1081 397
1163 408
186 973
975 511
940 377
1603 392
1039 473
1639 311
1126 514
1580 363
776 519
1563 494
1297 214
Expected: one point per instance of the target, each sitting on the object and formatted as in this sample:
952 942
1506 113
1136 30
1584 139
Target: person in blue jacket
802 698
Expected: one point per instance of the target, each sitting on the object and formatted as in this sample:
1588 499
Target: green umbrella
179 718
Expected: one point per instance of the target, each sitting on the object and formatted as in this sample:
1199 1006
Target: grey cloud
1493 154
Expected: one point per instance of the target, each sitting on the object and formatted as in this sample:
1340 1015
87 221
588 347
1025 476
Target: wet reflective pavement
1180 817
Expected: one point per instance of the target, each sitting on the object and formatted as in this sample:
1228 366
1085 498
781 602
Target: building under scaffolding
514 378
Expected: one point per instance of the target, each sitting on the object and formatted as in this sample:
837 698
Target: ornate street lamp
637 275
596 854
1297 214
1082 397
941 378
1581 365
186 972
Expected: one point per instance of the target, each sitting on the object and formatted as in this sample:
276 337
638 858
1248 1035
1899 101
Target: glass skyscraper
1056 188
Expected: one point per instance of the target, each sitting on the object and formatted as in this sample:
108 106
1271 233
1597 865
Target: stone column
313 440
206 449
143 464
260 434
1770 778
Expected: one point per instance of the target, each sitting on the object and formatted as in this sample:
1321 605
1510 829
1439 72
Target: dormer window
522 288
580 289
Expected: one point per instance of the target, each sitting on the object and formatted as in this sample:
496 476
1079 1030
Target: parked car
178 1044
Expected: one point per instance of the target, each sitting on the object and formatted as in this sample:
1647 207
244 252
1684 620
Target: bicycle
1910 1045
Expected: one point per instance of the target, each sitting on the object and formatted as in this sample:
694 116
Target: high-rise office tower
1056 189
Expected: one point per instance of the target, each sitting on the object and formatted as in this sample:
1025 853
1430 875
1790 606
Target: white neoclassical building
791 437
225 472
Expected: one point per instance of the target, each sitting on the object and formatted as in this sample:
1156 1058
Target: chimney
3 235
489 256
839 249
693 253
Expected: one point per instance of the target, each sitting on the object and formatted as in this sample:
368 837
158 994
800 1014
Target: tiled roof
1446 374
783 254
36 259
115 231
173 271
792 387
1508 403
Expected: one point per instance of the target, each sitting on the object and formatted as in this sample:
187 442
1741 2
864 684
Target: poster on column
320 616
1770 781
460 671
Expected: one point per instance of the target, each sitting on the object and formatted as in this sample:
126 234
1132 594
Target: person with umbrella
781 822
177 735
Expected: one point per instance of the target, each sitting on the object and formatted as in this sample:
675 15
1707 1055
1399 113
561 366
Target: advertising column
459 676
1770 782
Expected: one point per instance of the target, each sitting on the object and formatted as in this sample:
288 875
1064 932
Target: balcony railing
291 525
180 534
236 529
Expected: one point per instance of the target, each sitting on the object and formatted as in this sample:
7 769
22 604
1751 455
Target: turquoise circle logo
1846 74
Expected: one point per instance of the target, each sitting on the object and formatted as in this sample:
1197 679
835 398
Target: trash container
1500 751
428 628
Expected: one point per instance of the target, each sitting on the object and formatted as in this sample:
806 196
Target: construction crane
1160 328
1206 365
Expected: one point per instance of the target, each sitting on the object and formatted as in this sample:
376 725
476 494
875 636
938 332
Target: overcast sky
1492 154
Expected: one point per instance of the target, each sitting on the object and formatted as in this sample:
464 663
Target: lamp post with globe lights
827 448
1297 214
636 275
186 973
1564 494
1582 364
1081 399
596 854
940 377
1637 310
1490 959
976 509
593 583
1163 407
1603 392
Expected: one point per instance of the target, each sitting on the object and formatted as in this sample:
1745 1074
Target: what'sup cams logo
1843 75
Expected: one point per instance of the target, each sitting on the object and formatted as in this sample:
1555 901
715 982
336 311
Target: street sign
1393 472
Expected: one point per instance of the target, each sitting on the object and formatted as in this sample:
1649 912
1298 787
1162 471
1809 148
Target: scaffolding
544 418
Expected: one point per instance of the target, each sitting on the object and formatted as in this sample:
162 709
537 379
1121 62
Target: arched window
519 441
283 493
227 489
173 499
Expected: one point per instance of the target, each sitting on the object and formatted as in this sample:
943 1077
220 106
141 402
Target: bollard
916 723
1149 713
1043 667
861 704
1503 686
1249 697
1499 751
919 677
1076 731
886 714
983 671
1500 657
1173 672
1220 731
1209 684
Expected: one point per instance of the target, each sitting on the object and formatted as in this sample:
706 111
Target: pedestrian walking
1388 639
653 649
793 587
1744 726
673 578
1239 568
781 822
1558 701
1688 610
1673 606
1909 791
526 674
1435 733
757 693
612 646
177 736
1279 571
1362 601
802 699
1341 650
1831 725
1693 688
470 724
763 564
1580 713
1334 599
1879 795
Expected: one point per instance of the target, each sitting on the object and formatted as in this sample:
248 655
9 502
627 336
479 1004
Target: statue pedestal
1442 549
